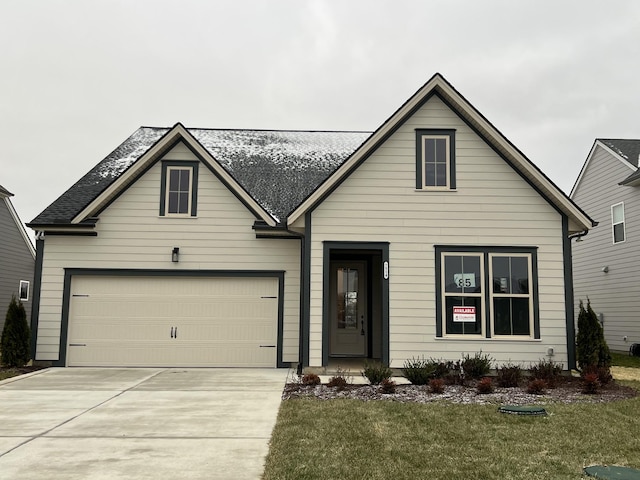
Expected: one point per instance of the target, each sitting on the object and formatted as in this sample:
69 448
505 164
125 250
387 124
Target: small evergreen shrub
14 343
485 385
509 375
310 379
477 366
376 372
436 385
387 386
419 370
591 347
546 370
537 386
590 383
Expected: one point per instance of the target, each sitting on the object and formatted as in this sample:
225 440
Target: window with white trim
178 192
511 299
435 159
24 291
462 278
487 292
617 222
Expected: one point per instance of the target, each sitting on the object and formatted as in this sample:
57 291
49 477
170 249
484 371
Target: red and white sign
464 314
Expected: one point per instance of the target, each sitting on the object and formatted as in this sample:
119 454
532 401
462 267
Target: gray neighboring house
605 262
17 258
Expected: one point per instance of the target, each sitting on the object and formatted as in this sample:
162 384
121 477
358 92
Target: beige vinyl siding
614 294
132 235
492 205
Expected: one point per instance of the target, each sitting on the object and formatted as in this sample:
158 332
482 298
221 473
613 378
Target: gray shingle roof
627 149
279 169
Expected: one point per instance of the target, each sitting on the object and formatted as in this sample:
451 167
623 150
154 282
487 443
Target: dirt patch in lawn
568 390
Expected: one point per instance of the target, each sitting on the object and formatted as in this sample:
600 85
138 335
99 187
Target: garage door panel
172 321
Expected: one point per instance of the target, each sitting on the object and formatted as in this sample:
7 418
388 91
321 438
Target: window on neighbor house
435 159
24 291
178 193
617 222
486 293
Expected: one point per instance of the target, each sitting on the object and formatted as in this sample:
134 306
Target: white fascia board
20 226
178 131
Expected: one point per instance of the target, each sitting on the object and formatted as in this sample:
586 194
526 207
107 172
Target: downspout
302 295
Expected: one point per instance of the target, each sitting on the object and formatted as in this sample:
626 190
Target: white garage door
173 321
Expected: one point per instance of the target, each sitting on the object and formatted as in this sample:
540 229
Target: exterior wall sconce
175 255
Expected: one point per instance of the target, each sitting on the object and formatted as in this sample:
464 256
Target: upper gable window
435 159
617 222
178 191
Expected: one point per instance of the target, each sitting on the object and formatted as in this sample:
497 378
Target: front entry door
348 323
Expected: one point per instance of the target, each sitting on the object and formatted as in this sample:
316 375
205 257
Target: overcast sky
77 77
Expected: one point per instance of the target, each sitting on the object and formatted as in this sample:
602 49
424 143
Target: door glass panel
347 298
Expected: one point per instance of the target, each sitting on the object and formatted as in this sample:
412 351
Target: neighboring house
431 236
17 258
606 262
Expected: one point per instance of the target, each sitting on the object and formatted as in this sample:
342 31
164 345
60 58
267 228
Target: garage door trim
69 273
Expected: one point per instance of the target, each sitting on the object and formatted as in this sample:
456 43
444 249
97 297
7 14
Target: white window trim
447 139
168 183
23 282
444 294
529 295
623 222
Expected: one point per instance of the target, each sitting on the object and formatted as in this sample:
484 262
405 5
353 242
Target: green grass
351 439
624 360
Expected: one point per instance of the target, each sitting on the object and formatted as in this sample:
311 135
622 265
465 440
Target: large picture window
487 292
435 159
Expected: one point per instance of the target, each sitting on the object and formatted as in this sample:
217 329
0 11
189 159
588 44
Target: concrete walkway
104 423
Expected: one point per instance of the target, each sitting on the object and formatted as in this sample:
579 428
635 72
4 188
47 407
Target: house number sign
385 270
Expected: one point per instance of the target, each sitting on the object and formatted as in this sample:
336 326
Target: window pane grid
435 154
463 280
512 306
179 191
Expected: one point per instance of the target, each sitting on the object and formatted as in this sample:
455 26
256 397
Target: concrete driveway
98 423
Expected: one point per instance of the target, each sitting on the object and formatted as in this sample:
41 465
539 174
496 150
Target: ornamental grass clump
546 370
537 386
376 372
387 386
340 380
310 379
436 385
485 386
477 366
419 370
590 383
509 375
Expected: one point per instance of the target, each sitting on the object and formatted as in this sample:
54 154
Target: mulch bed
8 372
568 390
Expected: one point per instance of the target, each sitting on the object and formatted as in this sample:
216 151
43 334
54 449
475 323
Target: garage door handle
171 332
267 346
175 333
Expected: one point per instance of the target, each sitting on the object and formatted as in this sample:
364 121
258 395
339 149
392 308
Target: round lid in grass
522 410
612 472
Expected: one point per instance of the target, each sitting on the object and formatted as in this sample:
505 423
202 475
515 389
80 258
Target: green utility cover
522 410
611 473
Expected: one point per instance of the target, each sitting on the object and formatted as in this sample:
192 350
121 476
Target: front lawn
351 439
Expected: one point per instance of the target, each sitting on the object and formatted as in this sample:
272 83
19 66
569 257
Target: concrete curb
20 377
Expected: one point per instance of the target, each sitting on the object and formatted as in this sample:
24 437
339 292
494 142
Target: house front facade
605 263
17 258
432 236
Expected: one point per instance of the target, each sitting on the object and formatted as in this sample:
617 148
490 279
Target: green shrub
591 347
376 372
485 385
477 366
537 386
14 344
546 370
419 370
436 385
509 375
310 379
387 386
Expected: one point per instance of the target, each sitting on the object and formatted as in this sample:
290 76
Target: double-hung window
435 159
617 222
487 292
178 191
